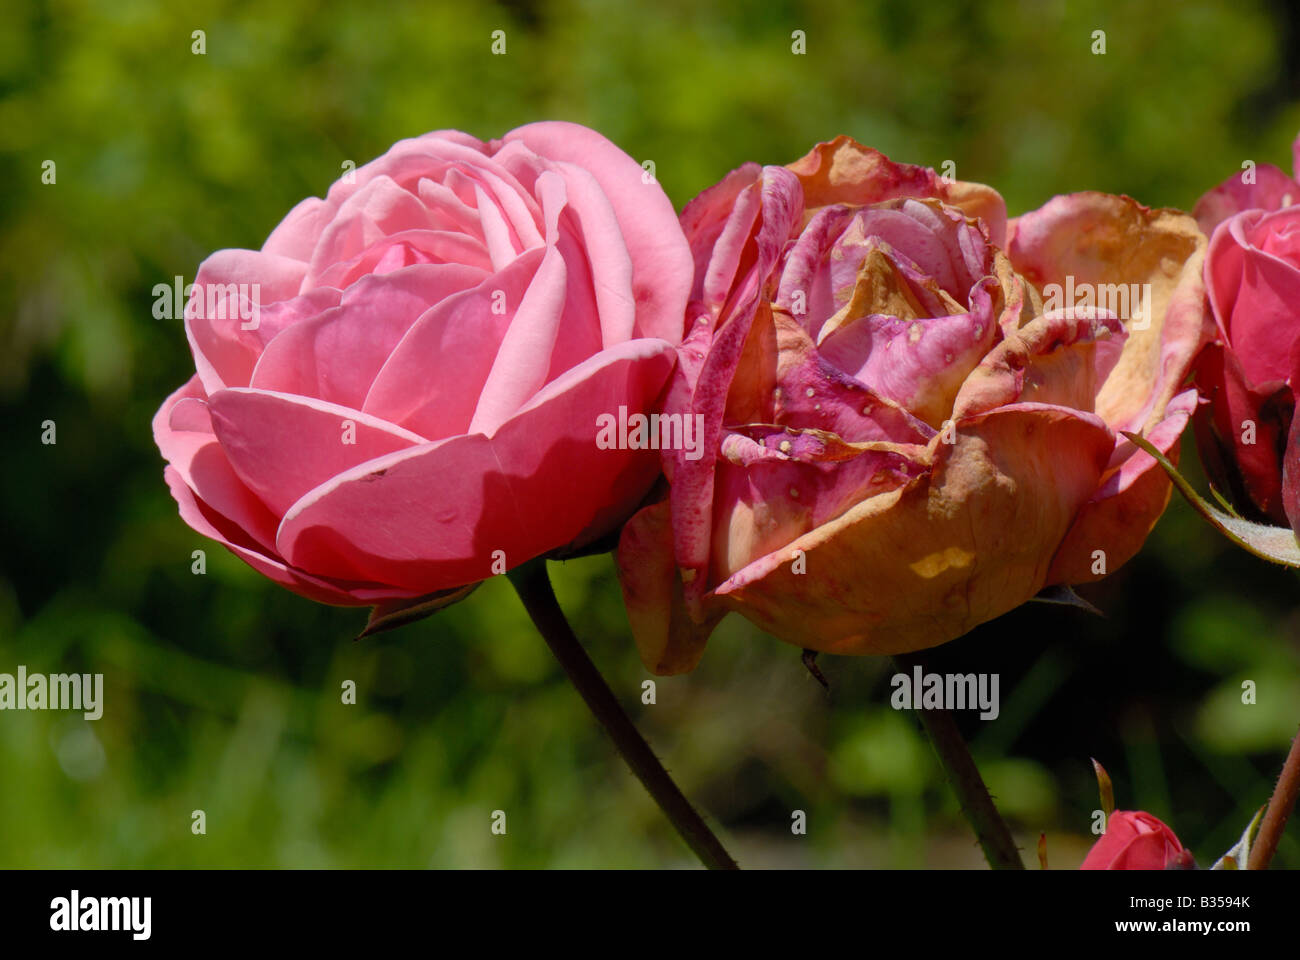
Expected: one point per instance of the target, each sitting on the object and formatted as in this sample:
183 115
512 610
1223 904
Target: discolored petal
1116 245
1059 358
669 641
692 488
924 563
1130 498
844 171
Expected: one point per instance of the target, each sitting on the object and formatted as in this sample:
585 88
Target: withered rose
908 430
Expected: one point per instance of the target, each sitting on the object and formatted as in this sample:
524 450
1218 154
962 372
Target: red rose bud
1135 840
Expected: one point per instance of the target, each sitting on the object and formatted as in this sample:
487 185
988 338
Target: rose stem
1280 806
534 587
999 848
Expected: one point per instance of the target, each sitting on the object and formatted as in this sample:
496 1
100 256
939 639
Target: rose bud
397 395
1135 840
911 414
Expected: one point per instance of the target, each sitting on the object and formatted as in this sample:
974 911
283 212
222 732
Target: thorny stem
994 837
1279 809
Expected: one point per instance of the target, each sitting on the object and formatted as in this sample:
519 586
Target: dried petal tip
398 613
1106 788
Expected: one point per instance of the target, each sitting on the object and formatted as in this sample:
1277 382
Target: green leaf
1277 544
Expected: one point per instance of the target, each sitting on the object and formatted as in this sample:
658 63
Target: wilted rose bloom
1252 272
411 405
1135 840
902 440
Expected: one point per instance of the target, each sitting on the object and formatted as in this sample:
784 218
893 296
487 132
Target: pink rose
1261 187
1135 840
398 394
1245 433
905 433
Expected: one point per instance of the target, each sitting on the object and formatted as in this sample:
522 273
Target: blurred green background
223 691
